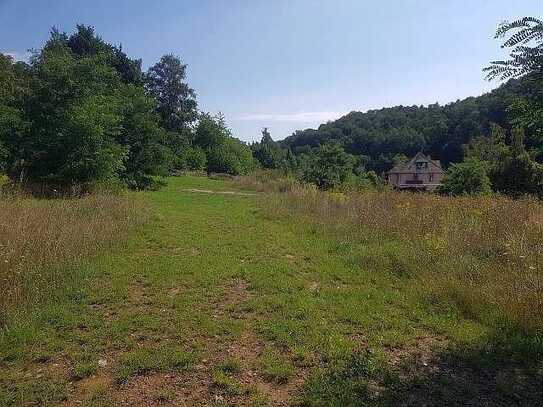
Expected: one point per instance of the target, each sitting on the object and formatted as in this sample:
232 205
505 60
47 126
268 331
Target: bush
194 159
330 167
466 178
231 157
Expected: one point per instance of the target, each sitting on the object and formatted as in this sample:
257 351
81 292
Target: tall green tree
73 107
268 153
176 101
143 139
524 39
84 42
13 80
518 174
70 117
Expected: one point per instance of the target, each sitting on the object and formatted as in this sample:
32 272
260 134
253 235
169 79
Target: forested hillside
442 131
494 141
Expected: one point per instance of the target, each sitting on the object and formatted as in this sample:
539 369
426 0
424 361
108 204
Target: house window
431 177
422 165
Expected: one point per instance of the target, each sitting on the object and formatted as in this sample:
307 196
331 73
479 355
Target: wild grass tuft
275 367
40 237
160 359
482 253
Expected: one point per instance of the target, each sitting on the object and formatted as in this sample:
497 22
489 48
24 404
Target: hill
441 131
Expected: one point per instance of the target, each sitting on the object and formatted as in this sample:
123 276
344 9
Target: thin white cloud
305 117
18 56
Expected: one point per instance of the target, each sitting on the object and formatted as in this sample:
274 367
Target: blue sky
292 64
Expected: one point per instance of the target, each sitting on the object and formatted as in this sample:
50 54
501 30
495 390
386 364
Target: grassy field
240 299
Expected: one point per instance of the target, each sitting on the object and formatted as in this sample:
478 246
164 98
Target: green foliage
224 153
329 167
85 42
523 57
176 101
147 154
518 173
466 178
79 114
231 157
269 154
510 168
380 137
193 158
74 119
161 359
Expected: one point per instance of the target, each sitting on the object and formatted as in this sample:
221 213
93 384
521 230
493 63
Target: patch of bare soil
197 386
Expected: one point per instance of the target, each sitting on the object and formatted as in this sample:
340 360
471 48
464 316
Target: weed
144 360
229 365
275 367
84 369
227 384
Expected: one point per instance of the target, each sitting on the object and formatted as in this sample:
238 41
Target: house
419 173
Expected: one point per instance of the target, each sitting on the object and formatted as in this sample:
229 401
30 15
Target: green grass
144 360
211 275
276 368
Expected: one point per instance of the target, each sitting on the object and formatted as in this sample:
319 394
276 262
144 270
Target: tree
194 158
74 120
329 167
518 173
176 101
231 157
268 153
224 153
85 42
525 39
210 131
524 58
69 117
466 178
143 139
12 80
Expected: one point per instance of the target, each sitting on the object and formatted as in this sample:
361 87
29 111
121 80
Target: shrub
466 178
329 167
194 159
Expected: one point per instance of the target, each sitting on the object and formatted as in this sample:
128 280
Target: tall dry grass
485 254
39 238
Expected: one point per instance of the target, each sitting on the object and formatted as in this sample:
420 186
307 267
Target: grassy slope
215 301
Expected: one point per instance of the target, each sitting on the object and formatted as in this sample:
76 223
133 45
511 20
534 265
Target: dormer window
422 165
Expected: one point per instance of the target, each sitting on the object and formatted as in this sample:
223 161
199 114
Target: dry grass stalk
38 237
483 253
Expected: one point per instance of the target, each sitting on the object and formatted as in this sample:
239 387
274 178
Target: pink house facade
419 173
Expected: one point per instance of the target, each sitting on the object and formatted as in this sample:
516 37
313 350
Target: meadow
39 237
289 296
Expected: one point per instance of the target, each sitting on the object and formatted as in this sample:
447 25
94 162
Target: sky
292 64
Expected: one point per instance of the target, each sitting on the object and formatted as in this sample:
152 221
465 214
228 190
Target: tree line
81 112
493 142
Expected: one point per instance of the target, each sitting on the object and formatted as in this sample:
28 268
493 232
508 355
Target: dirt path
208 191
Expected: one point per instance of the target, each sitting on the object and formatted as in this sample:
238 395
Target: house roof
410 166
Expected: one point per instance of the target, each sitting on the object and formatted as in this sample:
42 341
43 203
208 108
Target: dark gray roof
410 166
